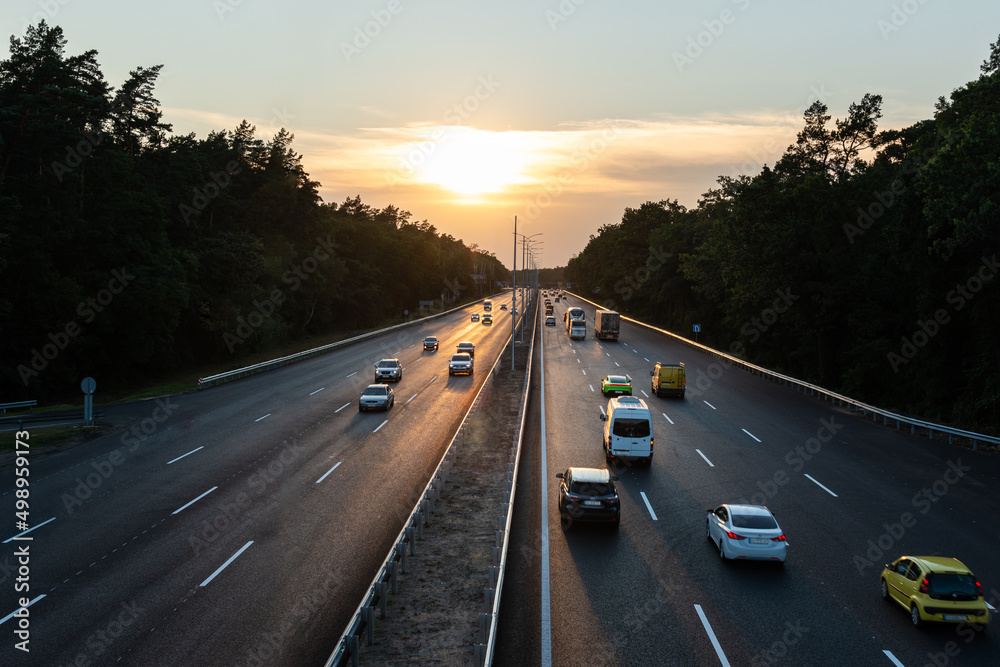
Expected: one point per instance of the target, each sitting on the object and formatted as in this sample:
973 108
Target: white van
628 430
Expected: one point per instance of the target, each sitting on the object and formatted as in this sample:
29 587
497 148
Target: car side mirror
559 475
651 373
710 511
604 417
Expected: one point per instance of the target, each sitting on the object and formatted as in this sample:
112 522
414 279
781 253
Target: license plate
592 503
759 540
953 617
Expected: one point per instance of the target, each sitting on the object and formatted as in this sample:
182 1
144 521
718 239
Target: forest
129 253
863 260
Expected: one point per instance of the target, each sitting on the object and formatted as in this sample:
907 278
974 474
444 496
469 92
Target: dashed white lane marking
711 636
328 472
821 486
709 404
648 506
188 454
667 418
177 511
226 564
591 387
353 374
751 435
380 426
584 372
341 407
317 391
889 655
412 397
264 417
711 465
644 393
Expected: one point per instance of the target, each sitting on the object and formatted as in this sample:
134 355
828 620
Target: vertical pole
513 317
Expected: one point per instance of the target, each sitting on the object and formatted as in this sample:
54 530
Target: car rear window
948 586
590 489
758 521
617 379
631 428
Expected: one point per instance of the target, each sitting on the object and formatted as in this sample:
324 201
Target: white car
388 369
376 397
550 321
746 532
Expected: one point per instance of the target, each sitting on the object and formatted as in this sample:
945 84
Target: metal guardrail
363 621
43 417
17 404
507 507
825 394
316 351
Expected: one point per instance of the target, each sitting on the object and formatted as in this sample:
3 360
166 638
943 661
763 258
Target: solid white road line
711 636
194 501
667 418
11 614
412 397
226 564
821 486
188 454
318 390
546 611
648 506
708 404
328 472
264 417
889 655
341 407
705 457
380 426
29 530
751 435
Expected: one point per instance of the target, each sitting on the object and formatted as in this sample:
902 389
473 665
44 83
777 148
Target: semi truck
606 324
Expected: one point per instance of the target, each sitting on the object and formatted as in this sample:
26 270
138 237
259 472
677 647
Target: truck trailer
606 324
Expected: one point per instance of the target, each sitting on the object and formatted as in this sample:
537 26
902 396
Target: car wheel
360 409
884 590
915 615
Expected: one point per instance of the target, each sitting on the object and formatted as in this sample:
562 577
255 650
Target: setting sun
473 162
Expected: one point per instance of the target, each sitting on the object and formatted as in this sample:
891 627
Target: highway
240 524
656 591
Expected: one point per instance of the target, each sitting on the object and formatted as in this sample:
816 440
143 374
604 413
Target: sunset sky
561 113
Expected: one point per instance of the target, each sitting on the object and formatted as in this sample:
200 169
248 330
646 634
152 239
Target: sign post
88 386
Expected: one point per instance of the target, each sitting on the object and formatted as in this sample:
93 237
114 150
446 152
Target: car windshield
617 379
631 428
387 364
949 586
375 391
757 521
590 489
461 357
431 339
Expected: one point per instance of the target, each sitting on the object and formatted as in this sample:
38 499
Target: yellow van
668 379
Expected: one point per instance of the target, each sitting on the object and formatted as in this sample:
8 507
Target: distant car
376 397
616 384
746 532
503 306
460 364
588 494
487 319
466 347
431 343
475 317
388 369
550 321
557 298
935 589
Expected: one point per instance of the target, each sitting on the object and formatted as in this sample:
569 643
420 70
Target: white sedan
746 532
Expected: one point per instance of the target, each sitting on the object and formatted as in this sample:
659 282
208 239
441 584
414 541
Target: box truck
606 324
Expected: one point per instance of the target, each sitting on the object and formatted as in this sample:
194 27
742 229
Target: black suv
588 494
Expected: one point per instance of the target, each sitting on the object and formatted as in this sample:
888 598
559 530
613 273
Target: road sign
697 328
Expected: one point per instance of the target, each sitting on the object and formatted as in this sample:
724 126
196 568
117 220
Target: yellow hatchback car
935 589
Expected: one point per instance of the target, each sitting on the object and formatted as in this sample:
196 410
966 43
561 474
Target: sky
560 113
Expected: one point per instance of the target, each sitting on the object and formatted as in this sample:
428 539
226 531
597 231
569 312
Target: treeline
863 260
127 253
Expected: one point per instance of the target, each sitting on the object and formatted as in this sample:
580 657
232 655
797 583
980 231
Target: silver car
746 532
376 397
388 369
460 364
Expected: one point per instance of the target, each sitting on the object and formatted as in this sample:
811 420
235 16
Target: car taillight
979 589
612 500
923 585
572 497
734 536
779 538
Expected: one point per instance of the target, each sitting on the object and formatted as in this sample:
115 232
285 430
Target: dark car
431 343
466 347
588 494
